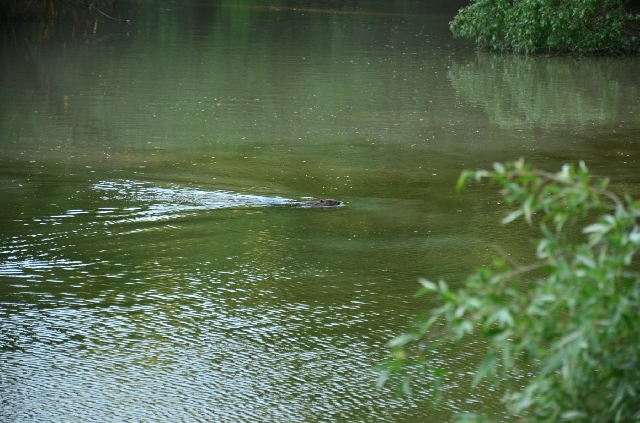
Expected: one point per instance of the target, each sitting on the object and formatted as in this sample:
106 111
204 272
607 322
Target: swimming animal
150 202
322 203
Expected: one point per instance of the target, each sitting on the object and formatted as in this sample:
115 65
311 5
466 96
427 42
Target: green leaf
462 180
587 261
442 286
505 318
402 340
597 228
502 316
512 216
526 207
499 168
487 368
427 284
572 415
569 338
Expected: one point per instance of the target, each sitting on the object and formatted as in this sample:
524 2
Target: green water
149 268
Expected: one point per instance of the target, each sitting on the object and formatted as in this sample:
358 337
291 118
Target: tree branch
102 13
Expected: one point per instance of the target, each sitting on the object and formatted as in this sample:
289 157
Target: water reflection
518 91
217 335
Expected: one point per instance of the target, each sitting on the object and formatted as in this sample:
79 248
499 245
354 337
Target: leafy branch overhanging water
539 26
567 324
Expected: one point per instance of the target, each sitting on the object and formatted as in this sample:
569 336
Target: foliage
569 321
535 26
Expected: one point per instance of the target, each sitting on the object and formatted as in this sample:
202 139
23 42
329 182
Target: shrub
537 26
570 319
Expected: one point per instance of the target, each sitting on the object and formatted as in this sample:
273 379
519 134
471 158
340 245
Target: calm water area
152 266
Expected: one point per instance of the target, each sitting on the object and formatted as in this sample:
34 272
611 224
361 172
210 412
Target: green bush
536 26
570 320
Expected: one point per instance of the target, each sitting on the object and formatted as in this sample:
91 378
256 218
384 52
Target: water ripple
175 199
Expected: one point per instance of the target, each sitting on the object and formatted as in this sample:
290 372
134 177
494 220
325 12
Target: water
150 266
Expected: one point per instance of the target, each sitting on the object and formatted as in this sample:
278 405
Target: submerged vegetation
539 26
561 333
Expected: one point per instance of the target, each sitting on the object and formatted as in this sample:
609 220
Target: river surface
152 264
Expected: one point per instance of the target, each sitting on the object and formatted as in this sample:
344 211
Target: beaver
322 203
164 201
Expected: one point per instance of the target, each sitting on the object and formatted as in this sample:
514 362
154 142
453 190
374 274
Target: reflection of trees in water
48 11
124 10
516 90
196 69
